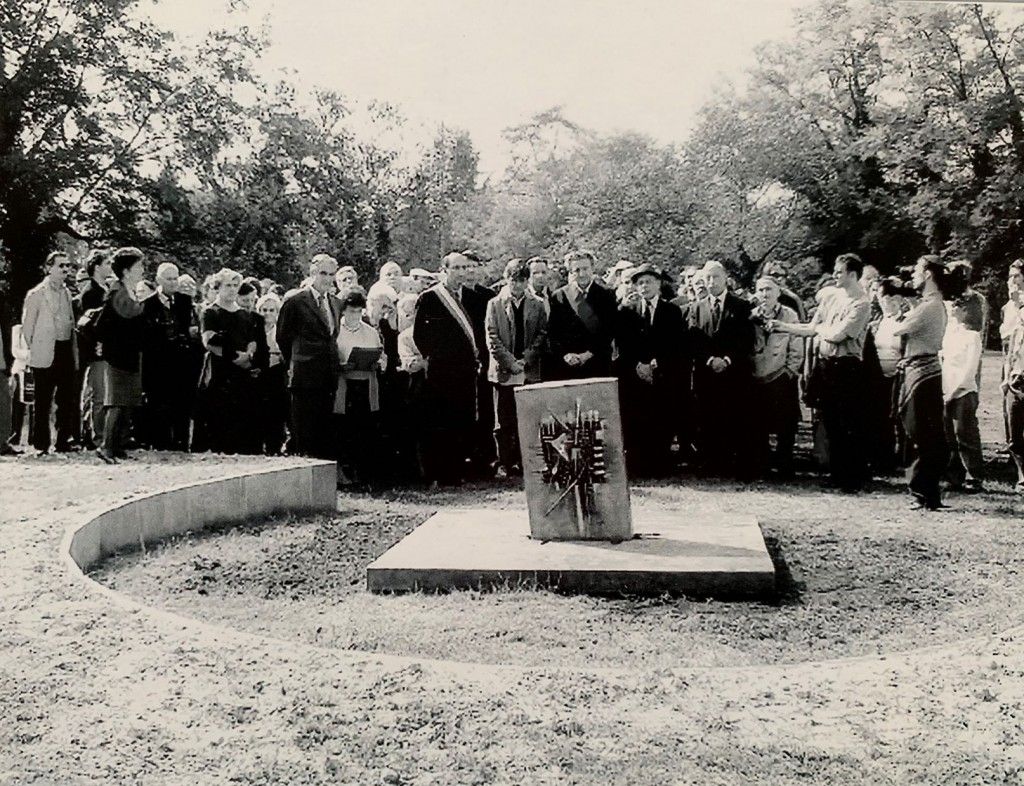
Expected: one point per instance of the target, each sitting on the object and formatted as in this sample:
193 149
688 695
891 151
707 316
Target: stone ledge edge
195 506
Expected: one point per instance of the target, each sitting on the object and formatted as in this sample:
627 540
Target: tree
92 100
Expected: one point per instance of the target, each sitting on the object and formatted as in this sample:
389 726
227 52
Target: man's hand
518 366
243 360
645 372
571 359
718 365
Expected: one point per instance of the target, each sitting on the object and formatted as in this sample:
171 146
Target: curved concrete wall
191 507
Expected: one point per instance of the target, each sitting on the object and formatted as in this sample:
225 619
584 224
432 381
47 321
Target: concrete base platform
707 555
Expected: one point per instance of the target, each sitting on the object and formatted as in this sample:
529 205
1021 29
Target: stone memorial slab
717 555
574 469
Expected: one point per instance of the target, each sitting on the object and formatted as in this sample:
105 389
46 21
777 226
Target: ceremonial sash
578 303
455 307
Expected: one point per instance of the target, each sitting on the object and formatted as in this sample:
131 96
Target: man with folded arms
581 323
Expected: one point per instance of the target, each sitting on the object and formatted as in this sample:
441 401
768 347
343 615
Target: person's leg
968 436
923 422
66 395
505 426
5 412
1014 408
955 470
45 384
304 434
856 418
484 454
90 436
178 420
113 431
17 411
760 433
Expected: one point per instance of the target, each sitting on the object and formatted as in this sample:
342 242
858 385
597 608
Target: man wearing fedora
655 347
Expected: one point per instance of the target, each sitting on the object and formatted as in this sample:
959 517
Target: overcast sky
483 65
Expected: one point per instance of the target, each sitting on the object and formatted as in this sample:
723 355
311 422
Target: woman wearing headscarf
121 333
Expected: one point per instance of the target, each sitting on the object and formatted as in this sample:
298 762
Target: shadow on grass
788 591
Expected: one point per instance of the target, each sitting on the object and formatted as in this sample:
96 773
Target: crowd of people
412 379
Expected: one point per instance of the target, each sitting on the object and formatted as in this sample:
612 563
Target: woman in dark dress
227 385
121 333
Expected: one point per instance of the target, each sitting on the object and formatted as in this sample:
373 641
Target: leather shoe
930 506
9 450
106 459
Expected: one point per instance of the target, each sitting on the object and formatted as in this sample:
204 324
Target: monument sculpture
577 534
574 469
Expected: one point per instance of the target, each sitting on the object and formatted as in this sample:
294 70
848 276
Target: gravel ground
96 691
860 576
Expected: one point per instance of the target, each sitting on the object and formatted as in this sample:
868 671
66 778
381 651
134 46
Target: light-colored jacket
19 350
39 328
499 327
778 353
960 356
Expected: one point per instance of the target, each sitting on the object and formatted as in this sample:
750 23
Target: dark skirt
123 388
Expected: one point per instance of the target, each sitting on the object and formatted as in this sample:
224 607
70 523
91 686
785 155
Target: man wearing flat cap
654 346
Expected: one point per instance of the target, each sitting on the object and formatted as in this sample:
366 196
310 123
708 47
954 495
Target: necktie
325 306
650 311
716 312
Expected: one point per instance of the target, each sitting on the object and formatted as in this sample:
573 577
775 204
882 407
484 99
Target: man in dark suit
654 356
444 335
581 323
307 331
166 362
515 323
723 377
